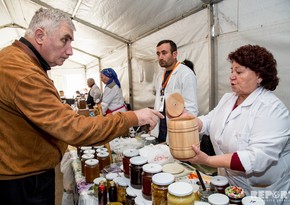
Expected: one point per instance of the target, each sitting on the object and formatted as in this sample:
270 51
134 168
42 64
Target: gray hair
48 19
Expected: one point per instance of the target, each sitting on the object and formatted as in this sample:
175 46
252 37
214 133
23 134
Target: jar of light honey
180 193
92 170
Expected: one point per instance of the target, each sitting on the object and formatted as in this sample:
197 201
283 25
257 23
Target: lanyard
164 83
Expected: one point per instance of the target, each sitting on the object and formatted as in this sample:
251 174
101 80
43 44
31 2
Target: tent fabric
123 35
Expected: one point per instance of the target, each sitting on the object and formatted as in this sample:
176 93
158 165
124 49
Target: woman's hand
199 158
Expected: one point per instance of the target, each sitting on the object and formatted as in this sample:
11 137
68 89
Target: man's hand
148 116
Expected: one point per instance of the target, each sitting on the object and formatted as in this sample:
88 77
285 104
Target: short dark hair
259 60
173 46
189 64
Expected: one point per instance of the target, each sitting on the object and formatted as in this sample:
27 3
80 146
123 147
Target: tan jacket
35 127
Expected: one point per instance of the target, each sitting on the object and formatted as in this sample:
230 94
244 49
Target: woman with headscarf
113 100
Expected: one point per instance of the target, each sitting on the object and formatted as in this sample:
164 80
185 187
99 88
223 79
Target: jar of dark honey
92 170
83 159
127 155
130 196
159 187
104 159
136 164
220 183
148 171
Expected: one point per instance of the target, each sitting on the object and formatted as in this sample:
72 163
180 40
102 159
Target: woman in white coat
250 129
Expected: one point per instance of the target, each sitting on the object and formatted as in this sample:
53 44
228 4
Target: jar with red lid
92 170
148 171
136 164
127 155
83 159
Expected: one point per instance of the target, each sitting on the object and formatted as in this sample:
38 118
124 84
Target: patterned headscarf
110 73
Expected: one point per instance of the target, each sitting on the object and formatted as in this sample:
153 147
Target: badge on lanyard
161 105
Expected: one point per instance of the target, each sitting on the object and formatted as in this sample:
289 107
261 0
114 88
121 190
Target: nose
69 50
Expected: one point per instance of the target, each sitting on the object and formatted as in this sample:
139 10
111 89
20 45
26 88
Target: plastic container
218 199
148 171
253 200
83 159
220 183
159 187
136 164
92 170
127 155
180 193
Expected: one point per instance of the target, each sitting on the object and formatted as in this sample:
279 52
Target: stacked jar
136 164
92 170
127 155
180 193
104 159
148 171
159 187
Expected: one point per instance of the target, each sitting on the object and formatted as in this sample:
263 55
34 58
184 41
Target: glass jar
112 192
104 159
159 187
92 170
130 196
83 159
82 149
143 138
136 164
139 201
121 189
150 140
148 171
102 194
96 184
110 177
127 155
220 183
90 151
180 193
253 200
218 199
235 194
204 194
101 149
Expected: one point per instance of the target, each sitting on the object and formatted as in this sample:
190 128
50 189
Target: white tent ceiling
123 34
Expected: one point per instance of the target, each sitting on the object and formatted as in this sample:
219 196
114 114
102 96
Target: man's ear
39 35
174 54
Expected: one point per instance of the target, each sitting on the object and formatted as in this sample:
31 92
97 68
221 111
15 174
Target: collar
43 63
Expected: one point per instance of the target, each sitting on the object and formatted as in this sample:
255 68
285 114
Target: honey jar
83 159
159 187
90 151
92 170
180 193
127 155
136 164
148 171
104 159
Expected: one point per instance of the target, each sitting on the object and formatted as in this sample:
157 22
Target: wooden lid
174 105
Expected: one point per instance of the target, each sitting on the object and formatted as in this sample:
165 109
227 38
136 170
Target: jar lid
150 138
86 147
111 176
152 168
89 151
103 154
180 189
219 181
100 146
253 200
102 149
130 152
139 160
87 156
201 203
163 179
120 181
218 199
99 179
139 201
130 192
92 162
143 136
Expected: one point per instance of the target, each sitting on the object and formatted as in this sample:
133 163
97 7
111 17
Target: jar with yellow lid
180 193
159 187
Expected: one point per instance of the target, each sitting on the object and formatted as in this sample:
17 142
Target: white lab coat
113 99
259 131
183 81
